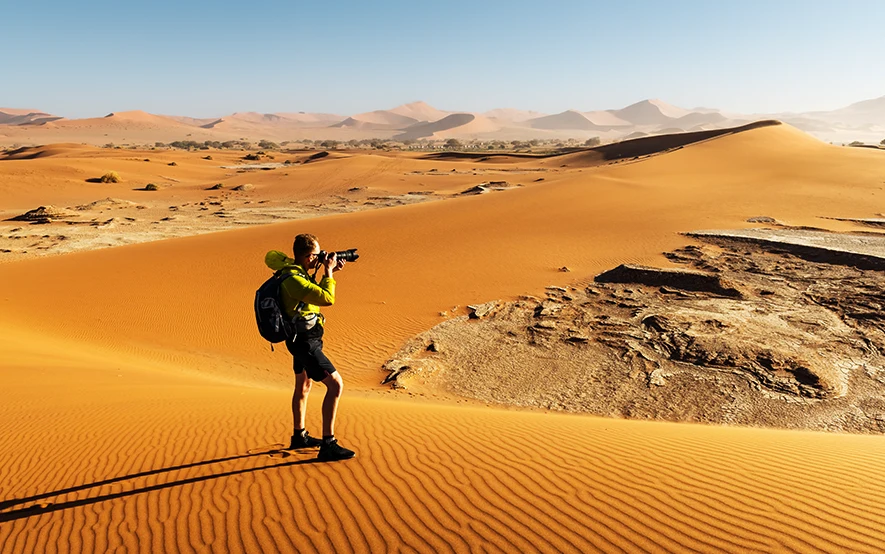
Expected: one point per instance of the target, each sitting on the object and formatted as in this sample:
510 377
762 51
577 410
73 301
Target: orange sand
142 409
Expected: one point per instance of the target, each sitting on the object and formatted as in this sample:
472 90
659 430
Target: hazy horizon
744 57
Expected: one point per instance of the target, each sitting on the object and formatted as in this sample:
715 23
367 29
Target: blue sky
207 59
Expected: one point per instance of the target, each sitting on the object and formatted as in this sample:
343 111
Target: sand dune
421 111
146 411
384 119
458 125
605 119
649 112
589 236
512 115
566 120
860 121
176 463
11 116
693 119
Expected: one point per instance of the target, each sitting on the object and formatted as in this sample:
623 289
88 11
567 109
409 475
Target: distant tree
534 142
186 144
855 143
353 143
159 145
268 145
883 142
333 144
453 143
592 141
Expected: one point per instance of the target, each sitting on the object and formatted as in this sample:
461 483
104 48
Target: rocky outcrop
746 334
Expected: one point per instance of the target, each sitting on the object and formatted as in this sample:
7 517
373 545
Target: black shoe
332 451
304 441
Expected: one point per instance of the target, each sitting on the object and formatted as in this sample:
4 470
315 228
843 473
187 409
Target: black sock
297 432
328 439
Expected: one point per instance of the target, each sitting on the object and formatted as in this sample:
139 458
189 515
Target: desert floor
142 411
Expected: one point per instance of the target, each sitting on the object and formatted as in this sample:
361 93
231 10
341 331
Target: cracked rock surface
789 343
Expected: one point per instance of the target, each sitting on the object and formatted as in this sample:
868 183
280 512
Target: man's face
312 260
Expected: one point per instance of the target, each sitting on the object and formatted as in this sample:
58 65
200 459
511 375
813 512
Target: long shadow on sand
44 508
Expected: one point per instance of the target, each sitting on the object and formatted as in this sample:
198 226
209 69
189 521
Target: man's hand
330 263
340 264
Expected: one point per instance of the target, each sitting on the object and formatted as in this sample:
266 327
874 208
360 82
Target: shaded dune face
143 409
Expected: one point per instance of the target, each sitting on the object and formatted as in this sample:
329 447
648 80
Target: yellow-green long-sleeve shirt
301 287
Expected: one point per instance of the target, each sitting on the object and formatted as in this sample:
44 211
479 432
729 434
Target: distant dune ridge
863 121
11 116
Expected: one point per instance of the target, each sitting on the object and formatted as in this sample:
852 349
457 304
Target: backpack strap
279 273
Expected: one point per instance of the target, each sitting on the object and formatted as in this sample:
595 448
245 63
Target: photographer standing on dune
302 297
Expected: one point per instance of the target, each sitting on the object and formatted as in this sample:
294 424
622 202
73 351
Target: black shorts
307 354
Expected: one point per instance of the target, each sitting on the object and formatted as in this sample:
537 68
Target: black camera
348 255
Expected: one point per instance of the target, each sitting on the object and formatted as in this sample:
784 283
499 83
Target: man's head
305 250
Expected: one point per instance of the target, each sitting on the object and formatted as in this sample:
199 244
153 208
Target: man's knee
334 384
302 384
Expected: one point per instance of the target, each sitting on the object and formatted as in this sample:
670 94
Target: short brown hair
304 244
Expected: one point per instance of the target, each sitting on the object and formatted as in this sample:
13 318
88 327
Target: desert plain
142 412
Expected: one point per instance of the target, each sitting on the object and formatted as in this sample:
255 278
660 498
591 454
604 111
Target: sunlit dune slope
97 455
191 298
146 414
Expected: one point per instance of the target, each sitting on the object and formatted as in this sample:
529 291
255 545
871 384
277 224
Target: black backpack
273 324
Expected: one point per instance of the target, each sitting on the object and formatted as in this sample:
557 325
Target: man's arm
322 294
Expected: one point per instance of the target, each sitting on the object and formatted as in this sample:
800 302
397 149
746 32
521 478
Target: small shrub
151 186
207 157
110 177
252 157
172 163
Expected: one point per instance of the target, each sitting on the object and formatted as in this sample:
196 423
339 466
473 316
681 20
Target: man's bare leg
299 399
330 450
334 387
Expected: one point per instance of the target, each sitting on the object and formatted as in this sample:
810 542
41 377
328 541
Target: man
302 297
